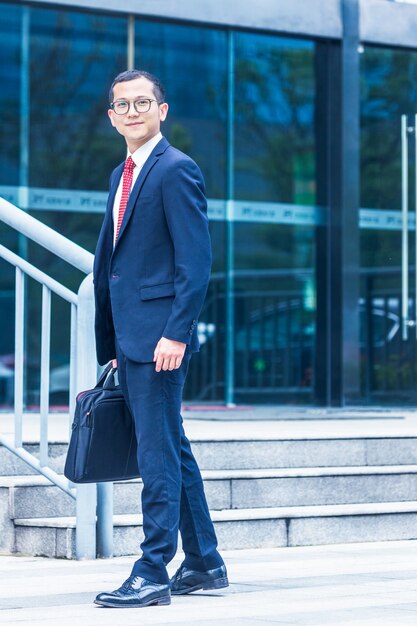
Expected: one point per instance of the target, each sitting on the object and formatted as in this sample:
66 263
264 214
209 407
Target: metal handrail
46 236
38 275
30 460
83 368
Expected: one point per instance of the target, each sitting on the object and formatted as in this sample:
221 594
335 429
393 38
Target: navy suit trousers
173 495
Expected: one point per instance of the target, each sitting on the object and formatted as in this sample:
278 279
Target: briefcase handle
107 380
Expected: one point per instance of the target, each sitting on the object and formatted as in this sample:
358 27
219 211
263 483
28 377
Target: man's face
137 128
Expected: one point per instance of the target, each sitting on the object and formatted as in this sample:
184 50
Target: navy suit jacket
153 283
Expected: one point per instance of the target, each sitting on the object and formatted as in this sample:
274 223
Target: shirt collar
140 155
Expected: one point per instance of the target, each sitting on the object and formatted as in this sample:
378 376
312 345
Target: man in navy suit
151 272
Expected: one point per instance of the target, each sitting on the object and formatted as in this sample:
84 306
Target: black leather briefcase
103 441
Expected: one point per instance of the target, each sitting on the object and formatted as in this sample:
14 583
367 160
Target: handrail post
86 378
105 520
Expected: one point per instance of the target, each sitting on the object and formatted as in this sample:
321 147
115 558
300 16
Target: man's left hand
168 354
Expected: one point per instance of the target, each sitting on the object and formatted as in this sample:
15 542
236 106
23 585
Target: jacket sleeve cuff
175 337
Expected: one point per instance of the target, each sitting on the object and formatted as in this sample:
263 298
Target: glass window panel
10 55
274 119
192 64
274 262
388 91
73 60
10 51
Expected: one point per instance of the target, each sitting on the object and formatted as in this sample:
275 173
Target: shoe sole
218 583
156 602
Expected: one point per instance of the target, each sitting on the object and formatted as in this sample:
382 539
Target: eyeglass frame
130 102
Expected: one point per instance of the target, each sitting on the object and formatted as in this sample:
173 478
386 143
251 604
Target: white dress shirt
140 156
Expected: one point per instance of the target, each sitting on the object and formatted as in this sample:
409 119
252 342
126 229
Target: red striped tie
127 183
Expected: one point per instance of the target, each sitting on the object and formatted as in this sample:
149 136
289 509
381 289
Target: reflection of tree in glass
10 44
274 123
180 137
9 139
73 60
388 90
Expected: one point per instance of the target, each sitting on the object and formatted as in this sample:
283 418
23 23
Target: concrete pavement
353 584
266 422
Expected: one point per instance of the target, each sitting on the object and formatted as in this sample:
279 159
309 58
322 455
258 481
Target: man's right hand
114 363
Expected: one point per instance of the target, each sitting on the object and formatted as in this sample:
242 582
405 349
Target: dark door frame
337 357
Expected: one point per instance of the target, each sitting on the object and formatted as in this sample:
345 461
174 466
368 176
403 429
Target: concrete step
265 453
305 452
236 489
35 496
241 489
243 528
11 465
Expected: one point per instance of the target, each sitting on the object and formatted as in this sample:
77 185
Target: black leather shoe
135 592
187 580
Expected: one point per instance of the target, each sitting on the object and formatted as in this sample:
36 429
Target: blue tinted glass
274 162
10 48
274 119
192 64
74 58
388 90
10 51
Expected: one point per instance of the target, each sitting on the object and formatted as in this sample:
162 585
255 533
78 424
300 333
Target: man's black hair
158 88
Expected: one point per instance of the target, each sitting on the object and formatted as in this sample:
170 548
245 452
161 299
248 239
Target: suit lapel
149 163
113 189
105 241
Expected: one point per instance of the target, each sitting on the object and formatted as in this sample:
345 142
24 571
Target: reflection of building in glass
306 289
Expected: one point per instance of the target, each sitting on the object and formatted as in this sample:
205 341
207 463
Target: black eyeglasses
142 105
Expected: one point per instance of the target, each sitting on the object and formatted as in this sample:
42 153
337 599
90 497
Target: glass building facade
388 92
253 108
